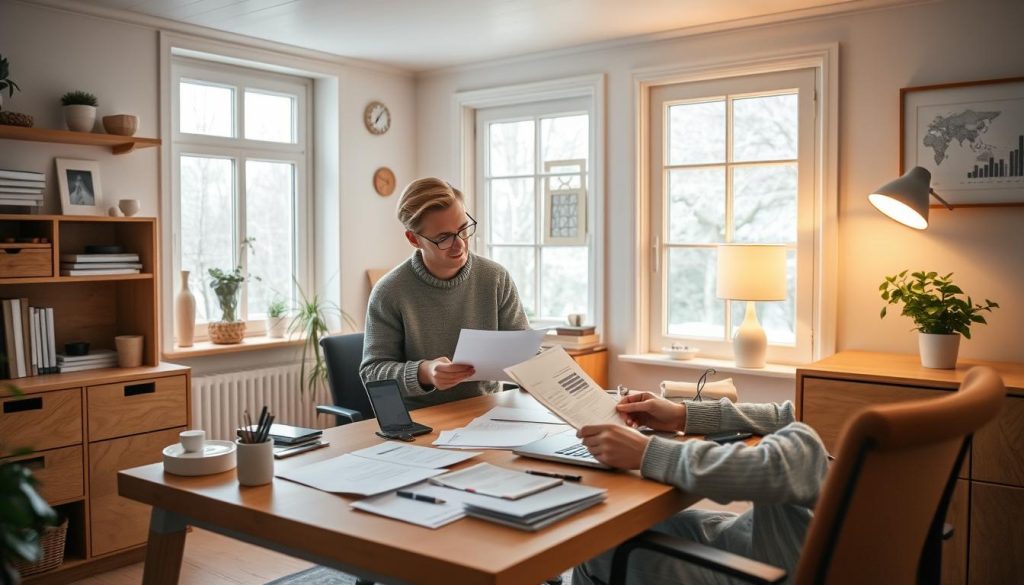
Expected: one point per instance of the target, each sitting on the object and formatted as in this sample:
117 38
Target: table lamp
751 272
906 199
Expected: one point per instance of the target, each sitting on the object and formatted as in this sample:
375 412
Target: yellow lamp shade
752 272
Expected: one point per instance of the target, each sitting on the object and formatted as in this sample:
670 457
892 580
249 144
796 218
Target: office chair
343 353
880 505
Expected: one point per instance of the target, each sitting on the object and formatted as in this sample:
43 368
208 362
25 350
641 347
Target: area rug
325 576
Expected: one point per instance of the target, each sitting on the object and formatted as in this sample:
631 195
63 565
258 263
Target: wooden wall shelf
117 144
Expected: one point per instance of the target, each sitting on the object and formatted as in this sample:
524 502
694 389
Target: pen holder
255 462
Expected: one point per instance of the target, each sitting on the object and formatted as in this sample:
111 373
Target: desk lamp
751 272
906 198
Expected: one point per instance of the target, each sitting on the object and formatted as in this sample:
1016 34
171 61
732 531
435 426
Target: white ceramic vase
184 313
80 118
277 327
938 350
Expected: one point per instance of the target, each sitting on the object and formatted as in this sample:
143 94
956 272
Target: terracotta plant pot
226 332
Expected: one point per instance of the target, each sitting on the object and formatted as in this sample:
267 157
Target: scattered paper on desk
558 382
413 455
528 415
424 514
467 438
350 474
490 352
498 482
483 424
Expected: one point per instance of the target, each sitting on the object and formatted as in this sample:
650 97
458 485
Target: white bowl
216 457
680 353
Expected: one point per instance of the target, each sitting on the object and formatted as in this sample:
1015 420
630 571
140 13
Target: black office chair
343 353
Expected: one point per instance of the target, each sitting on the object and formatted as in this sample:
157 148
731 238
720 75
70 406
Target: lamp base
750 344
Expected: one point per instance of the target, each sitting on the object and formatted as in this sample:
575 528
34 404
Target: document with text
351 474
489 352
414 456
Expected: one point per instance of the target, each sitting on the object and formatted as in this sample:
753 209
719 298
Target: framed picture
565 203
970 136
80 190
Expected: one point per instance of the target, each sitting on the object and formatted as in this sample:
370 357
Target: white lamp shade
905 199
752 272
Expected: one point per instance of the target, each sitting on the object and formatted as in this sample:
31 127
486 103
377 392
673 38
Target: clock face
384 181
377 118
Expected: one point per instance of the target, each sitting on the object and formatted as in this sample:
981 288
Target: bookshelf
116 144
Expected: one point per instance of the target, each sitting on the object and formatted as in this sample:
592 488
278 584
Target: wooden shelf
46 382
205 348
117 144
71 279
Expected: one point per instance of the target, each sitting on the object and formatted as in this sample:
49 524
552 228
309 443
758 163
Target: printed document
490 352
498 482
472 438
350 474
526 415
558 382
413 455
426 514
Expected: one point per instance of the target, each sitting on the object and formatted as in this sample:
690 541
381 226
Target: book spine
51 341
34 329
19 339
11 370
22 175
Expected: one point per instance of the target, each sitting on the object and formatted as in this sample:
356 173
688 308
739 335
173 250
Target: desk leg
164 549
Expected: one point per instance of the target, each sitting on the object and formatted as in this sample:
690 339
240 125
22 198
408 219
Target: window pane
564 138
511 149
693 308
512 211
207 226
696 205
777 318
765 128
563 282
270 221
521 264
207 109
269 117
696 133
764 204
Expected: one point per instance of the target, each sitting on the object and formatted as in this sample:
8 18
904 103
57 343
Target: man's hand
615 445
653 411
442 374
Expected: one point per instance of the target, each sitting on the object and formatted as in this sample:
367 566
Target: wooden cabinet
987 509
594 362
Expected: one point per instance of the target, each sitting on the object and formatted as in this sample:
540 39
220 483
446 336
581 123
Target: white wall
880 52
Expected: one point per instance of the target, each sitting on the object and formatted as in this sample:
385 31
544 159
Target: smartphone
396 436
282 452
728 436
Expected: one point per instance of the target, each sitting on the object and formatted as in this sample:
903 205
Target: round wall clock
384 181
377 118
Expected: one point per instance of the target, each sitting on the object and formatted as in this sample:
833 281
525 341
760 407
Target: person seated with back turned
782 476
417 310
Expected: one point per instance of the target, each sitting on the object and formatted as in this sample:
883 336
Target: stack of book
28 342
94 360
21 188
95 264
573 338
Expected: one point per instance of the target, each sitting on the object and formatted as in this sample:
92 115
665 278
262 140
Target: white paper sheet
349 474
482 424
423 514
558 382
499 482
529 415
490 352
413 455
488 438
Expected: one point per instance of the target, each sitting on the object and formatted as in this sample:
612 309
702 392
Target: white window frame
824 245
240 150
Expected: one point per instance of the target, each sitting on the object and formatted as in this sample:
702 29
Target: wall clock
377 118
384 181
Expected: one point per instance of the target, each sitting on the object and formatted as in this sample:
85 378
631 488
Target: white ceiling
429 34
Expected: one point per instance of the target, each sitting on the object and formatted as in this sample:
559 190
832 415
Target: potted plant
79 110
311 322
939 311
227 286
6 83
277 320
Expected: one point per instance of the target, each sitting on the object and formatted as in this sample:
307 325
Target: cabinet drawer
115 522
42 421
18 262
139 406
997 514
998 448
58 471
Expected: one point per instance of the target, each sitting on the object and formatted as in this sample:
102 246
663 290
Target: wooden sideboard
987 510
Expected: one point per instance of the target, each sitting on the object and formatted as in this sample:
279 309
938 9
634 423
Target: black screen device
728 436
389 408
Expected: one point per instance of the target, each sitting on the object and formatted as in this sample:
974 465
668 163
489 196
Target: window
534 177
731 161
240 183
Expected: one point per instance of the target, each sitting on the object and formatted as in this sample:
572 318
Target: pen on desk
419 497
564 476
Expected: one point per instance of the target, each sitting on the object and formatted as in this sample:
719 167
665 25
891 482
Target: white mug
192 441
575 319
255 462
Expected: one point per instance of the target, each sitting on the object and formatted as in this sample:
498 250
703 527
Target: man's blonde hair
423 195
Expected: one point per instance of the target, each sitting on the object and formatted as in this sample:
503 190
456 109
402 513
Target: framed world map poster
970 136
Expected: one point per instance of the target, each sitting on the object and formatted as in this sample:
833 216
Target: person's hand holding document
490 352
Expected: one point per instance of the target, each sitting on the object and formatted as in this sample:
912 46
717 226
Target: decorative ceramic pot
226 332
938 350
80 118
277 327
184 313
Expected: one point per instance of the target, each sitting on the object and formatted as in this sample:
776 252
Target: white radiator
219 400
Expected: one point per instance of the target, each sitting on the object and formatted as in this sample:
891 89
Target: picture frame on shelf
565 203
81 192
970 137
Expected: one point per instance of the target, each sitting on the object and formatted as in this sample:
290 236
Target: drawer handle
11 251
35 463
23 405
136 389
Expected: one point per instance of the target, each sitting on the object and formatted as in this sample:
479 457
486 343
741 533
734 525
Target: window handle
656 254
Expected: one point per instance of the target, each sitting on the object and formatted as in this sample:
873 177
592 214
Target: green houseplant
277 317
939 311
227 286
7 84
311 322
79 110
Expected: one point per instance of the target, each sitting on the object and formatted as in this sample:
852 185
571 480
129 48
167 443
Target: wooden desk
320 527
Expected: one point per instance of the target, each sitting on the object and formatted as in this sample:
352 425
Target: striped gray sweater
414 316
782 475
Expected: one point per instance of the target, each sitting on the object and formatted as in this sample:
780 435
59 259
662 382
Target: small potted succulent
939 312
277 318
7 84
79 110
227 286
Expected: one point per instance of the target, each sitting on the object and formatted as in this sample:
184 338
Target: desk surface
321 527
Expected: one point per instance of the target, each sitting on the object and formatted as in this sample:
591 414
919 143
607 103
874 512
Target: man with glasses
417 310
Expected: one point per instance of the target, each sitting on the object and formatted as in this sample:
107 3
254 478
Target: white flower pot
277 327
80 118
938 350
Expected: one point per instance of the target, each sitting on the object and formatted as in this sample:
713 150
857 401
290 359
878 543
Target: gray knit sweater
782 475
414 316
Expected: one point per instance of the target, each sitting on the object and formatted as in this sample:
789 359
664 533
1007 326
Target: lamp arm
941 200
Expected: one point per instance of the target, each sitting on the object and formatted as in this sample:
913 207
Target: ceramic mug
129 207
575 319
255 462
129 350
192 441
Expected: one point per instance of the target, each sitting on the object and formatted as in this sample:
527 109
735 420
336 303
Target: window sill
780 371
256 343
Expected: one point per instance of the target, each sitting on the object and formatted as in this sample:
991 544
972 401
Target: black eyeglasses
446 240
